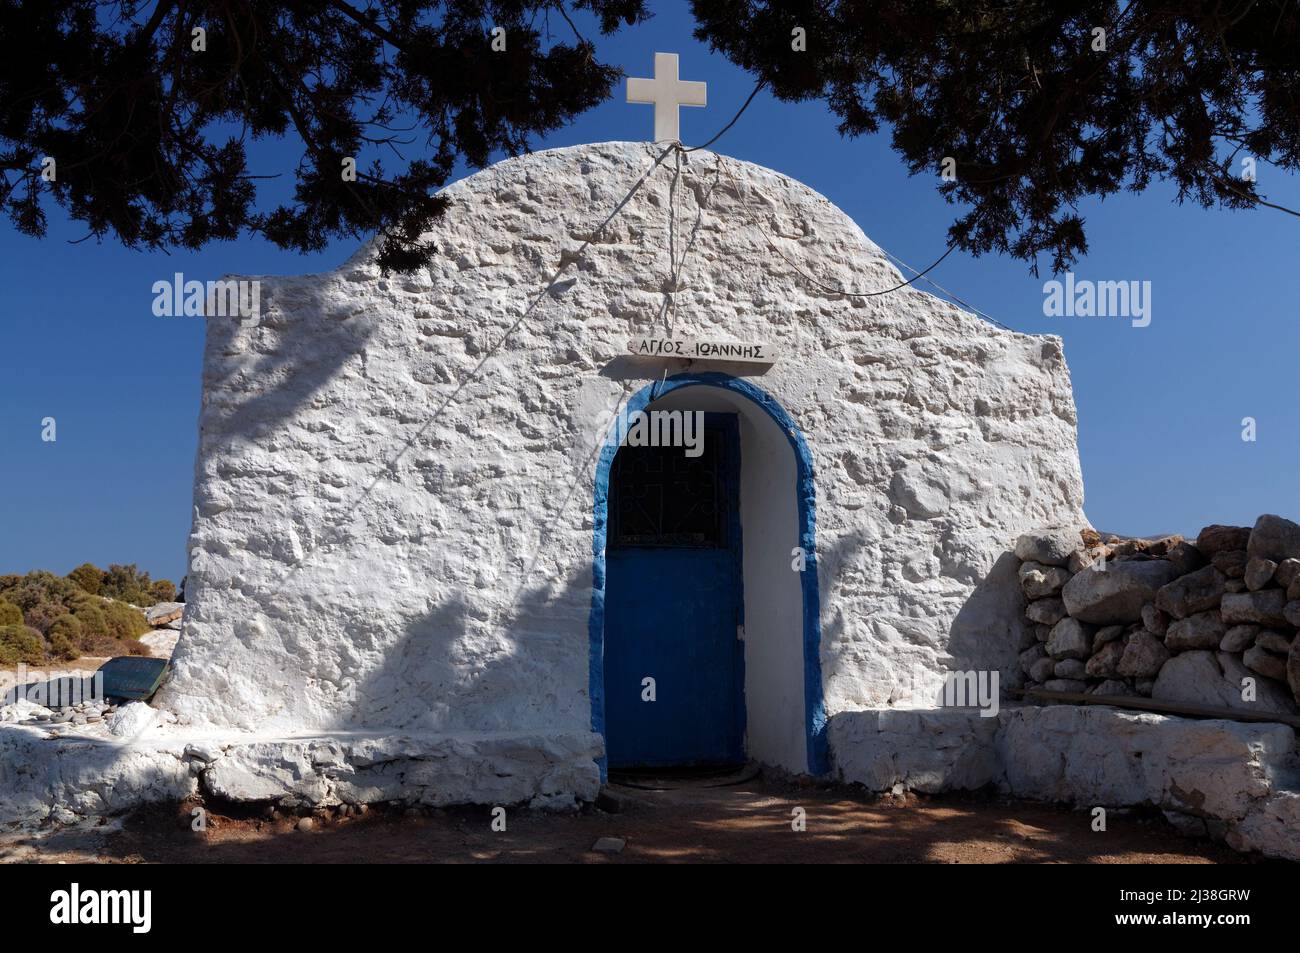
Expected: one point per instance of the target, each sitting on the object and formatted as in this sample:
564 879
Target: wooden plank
1138 703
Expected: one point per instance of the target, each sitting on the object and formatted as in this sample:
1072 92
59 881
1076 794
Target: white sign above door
693 349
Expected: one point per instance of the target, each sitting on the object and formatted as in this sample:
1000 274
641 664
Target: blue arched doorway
814 716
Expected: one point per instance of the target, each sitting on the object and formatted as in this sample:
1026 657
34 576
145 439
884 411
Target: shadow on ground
745 823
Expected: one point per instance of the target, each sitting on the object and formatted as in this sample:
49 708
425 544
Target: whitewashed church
415 517
660 462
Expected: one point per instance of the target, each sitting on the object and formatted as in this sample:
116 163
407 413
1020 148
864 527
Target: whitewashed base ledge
65 780
1239 780
1236 782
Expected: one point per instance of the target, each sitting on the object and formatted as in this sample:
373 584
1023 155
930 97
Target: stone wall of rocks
1171 619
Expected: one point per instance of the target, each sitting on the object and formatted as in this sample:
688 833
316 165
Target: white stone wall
1224 779
392 515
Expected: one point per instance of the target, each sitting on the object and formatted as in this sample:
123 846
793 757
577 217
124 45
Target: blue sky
1160 407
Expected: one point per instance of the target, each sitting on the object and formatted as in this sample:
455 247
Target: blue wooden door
673 604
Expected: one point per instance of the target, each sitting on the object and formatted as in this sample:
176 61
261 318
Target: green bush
98 636
26 595
43 614
21 644
94 624
83 599
10 614
64 637
37 588
85 611
63 649
88 577
127 584
125 622
67 626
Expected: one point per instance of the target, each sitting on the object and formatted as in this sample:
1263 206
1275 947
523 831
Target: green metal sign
133 677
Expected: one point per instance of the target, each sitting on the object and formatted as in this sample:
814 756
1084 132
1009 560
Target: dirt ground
689 822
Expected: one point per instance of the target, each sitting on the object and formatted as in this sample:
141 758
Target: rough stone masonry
388 535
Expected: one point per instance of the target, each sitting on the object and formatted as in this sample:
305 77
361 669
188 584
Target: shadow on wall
987 633
253 390
284 379
842 566
990 630
463 667
458 664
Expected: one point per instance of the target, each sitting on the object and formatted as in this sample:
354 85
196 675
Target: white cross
667 93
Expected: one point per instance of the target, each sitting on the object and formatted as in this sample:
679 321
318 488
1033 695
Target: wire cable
916 275
965 304
828 288
723 131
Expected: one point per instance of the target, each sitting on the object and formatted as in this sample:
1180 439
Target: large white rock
164 612
1099 756
927 751
76 777
1229 773
1272 828
1270 696
131 720
1214 679
44 779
